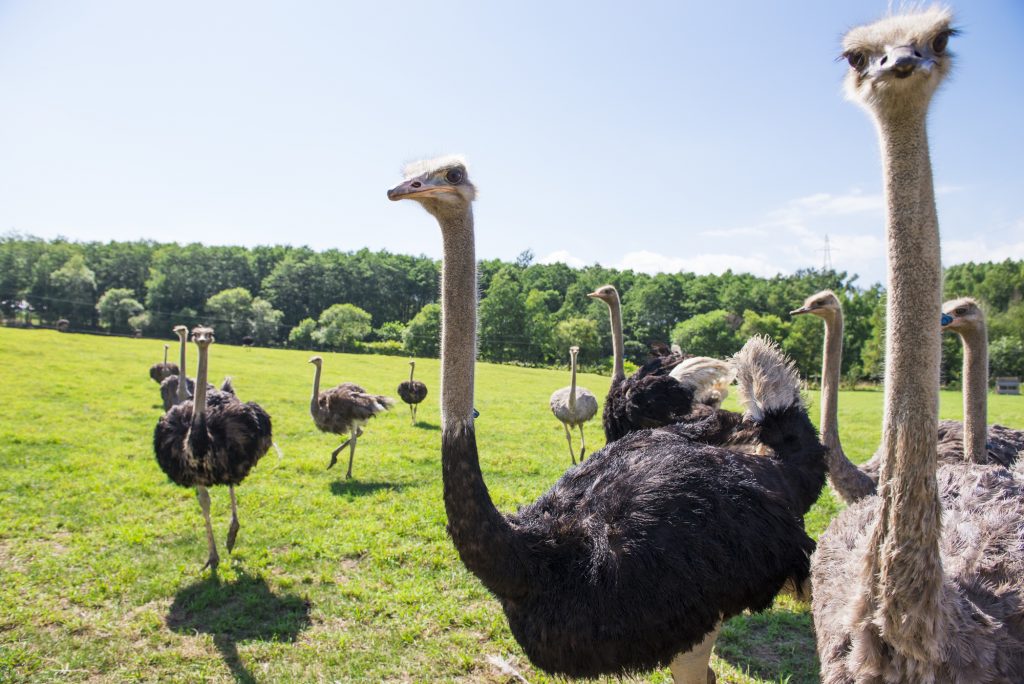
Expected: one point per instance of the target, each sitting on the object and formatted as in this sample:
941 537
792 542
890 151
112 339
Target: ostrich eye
940 42
454 176
961 311
856 60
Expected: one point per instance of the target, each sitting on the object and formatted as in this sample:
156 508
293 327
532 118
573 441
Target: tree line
530 313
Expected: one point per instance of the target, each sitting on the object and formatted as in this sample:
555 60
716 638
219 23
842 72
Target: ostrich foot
232 534
334 454
212 562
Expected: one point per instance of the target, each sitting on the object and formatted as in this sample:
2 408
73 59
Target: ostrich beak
801 310
420 186
946 320
594 295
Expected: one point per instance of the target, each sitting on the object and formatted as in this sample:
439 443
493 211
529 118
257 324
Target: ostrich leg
583 443
233 527
568 438
693 667
204 502
352 451
334 454
412 411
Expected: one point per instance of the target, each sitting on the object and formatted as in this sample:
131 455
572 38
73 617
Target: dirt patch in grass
774 646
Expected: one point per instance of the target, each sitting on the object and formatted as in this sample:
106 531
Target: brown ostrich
633 559
344 409
161 371
213 440
412 392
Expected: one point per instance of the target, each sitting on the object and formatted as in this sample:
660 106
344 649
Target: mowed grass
100 554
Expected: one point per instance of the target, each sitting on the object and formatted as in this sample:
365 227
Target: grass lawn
100 554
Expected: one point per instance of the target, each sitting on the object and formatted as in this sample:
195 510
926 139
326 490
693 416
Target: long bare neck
847 479
182 375
975 394
572 384
615 314
905 571
165 354
412 369
484 539
313 403
199 401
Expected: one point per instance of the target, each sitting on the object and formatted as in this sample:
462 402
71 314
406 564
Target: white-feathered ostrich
574 406
213 440
659 392
925 581
344 409
635 556
161 371
963 316
412 392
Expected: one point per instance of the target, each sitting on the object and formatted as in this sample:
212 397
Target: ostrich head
202 336
824 304
181 331
316 360
961 315
441 185
898 61
606 293
574 350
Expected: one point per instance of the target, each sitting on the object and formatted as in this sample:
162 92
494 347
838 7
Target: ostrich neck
182 375
615 313
165 354
199 402
483 537
847 479
412 369
904 568
313 403
975 394
572 385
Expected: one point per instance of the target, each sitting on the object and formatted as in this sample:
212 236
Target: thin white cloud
959 251
646 261
562 256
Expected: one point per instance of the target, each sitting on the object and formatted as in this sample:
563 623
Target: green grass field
100 554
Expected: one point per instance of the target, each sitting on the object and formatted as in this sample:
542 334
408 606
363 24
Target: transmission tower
826 251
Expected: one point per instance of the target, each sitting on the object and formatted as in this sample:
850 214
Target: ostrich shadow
432 427
777 645
358 488
243 610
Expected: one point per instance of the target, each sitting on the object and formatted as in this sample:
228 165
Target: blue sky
657 136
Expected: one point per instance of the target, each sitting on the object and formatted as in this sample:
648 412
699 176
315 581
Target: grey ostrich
344 409
633 559
412 392
659 392
574 406
161 371
925 581
213 440
998 445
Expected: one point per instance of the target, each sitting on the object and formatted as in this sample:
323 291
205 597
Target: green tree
708 334
74 291
1006 357
231 313
503 321
392 331
265 321
423 334
117 307
342 327
301 336
872 356
579 332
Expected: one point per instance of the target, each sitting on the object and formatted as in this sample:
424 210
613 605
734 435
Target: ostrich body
574 406
653 396
161 371
923 582
344 409
621 566
998 445
412 392
213 440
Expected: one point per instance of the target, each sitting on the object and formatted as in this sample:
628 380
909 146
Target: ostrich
574 406
213 440
924 581
161 371
962 316
412 392
631 561
170 391
64 325
344 409
657 393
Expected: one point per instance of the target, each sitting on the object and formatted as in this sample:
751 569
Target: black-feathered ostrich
344 409
412 392
634 557
161 371
214 440
659 392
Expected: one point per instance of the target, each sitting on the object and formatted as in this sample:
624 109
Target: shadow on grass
243 610
776 646
357 488
427 426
